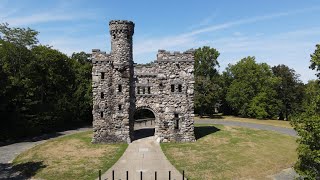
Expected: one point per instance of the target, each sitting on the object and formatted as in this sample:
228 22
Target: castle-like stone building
120 87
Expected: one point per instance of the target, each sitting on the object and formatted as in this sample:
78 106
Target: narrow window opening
114 36
149 90
138 90
176 115
102 95
143 90
172 87
102 75
101 114
180 88
119 88
176 121
120 107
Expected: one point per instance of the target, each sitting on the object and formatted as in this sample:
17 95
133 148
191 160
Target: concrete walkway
143 155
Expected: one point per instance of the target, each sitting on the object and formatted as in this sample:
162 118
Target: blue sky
276 32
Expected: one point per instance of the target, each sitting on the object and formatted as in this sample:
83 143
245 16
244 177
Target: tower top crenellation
121 26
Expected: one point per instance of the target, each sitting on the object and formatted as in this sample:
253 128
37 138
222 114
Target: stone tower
114 89
165 87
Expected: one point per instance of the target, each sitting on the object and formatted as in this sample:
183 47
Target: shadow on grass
202 131
19 171
143 133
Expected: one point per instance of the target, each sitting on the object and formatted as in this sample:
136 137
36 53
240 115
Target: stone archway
145 119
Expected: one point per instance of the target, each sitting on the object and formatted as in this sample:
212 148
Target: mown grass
272 122
70 157
224 152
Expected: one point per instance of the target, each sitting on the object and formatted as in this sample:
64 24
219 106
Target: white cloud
69 45
45 17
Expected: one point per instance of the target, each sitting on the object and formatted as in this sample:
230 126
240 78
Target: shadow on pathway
143 133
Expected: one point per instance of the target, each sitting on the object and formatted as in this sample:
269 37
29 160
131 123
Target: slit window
143 90
102 75
120 107
176 121
101 114
138 90
102 95
180 88
119 88
172 87
149 90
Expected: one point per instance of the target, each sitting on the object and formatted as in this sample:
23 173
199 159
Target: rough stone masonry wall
176 69
143 87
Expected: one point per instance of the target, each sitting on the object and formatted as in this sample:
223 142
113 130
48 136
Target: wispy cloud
247 21
17 15
190 38
292 48
69 45
46 17
204 22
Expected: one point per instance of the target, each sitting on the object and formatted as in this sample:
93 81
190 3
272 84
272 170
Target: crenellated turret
121 41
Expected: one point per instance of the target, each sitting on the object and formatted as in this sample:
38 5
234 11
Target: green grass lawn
69 157
224 152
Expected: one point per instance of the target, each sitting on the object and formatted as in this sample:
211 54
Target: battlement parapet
100 56
187 56
121 26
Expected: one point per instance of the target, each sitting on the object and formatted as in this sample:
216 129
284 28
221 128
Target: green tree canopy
42 89
289 90
207 89
315 60
251 92
307 124
20 36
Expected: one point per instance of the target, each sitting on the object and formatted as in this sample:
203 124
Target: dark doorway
144 123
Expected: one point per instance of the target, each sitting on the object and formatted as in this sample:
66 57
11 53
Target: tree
82 95
251 92
42 89
19 36
307 124
289 90
315 60
207 89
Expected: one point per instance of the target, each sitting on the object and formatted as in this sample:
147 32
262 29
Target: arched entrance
144 123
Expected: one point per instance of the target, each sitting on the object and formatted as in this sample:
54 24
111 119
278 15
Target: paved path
282 130
143 155
9 152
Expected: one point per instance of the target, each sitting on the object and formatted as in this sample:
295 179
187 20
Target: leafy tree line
41 89
247 88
